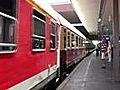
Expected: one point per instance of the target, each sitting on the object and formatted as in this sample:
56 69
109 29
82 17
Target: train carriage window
8 26
72 40
8 7
76 41
68 38
38 37
79 42
52 36
64 38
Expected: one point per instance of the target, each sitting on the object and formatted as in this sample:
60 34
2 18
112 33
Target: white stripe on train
31 82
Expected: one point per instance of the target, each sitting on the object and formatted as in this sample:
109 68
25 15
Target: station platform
88 75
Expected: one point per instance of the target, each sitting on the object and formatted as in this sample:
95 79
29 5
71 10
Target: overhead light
78 24
99 20
59 1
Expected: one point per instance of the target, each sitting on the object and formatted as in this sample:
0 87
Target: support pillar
116 57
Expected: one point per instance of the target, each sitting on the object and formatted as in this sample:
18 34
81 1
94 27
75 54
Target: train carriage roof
46 6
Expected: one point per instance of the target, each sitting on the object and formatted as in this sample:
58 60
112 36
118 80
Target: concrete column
116 58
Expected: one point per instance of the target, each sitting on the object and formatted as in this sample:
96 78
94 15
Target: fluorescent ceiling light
77 24
58 1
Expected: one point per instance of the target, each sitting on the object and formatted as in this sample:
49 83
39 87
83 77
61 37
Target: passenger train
37 45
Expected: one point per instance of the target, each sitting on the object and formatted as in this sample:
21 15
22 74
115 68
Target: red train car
72 49
34 47
71 46
28 52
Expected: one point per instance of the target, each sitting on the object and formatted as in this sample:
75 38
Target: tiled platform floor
89 75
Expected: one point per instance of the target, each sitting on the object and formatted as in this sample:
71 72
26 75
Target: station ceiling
80 13
84 14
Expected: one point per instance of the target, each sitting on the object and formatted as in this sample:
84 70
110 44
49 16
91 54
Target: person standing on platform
103 52
97 50
109 50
